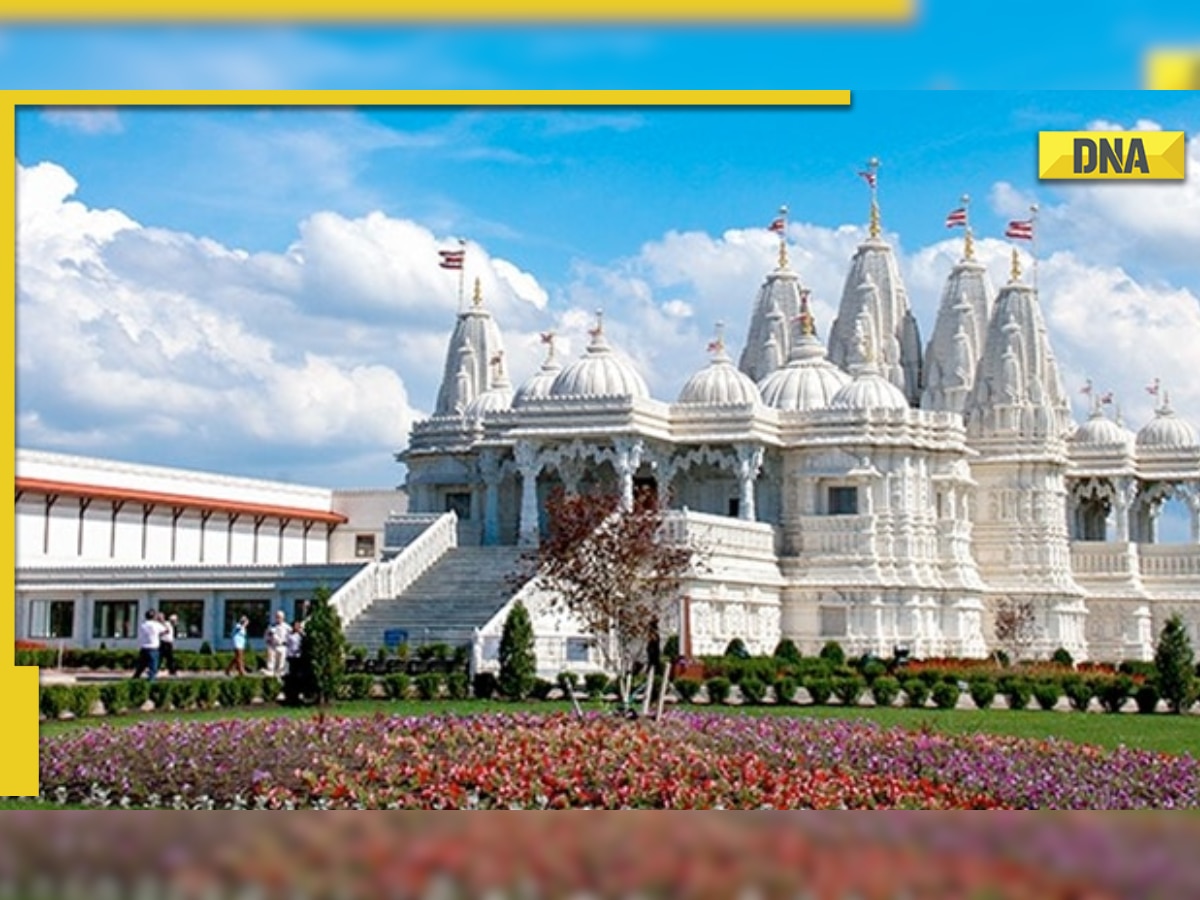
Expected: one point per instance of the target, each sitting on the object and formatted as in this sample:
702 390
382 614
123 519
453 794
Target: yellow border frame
463 11
18 685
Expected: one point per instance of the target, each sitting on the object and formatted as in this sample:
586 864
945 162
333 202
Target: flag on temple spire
778 225
1020 229
1086 390
1152 388
1106 398
870 177
956 217
452 259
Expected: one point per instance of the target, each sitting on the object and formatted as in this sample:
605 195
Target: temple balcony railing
721 534
1169 561
836 536
1091 559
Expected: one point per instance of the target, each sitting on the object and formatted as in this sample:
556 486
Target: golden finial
1015 274
872 178
781 222
808 327
477 297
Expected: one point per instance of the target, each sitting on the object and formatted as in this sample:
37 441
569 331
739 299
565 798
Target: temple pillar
1123 495
528 466
749 463
1193 502
489 471
628 459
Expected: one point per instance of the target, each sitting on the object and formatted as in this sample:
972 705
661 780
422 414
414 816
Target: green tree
323 650
518 662
1174 660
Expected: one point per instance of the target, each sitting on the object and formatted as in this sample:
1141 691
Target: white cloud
94 120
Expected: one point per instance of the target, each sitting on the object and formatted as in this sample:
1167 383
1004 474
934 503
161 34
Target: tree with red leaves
614 569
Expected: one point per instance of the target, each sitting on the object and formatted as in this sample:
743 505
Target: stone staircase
458 594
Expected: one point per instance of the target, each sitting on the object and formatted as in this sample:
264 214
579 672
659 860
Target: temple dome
809 381
539 385
1101 432
600 373
1166 431
719 383
869 390
498 398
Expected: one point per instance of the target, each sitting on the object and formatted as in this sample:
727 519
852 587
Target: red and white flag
778 225
869 178
1152 388
1020 229
1087 388
956 217
1106 398
452 259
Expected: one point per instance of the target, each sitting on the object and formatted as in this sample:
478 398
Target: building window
191 617
364 546
301 607
734 508
579 650
491 648
843 501
459 503
257 611
114 619
52 619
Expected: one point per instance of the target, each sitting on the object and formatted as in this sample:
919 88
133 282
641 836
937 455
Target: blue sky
978 45
256 292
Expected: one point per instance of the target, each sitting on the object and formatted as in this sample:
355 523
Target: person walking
294 681
239 647
149 643
166 644
277 650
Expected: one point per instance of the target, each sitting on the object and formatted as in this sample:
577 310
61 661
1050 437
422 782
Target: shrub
670 650
753 690
595 683
1114 691
945 694
1079 692
205 649
249 689
206 692
358 686
83 697
324 647
1137 668
139 693
160 694
1062 657
687 688
396 685
820 689
736 649
271 689
228 693
484 686
55 700
429 685
718 689
884 690
1017 691
1046 692
833 653
983 691
1146 697
182 693
457 685
849 689
1173 660
785 689
568 678
115 697
787 651
518 663
873 668
916 692
541 689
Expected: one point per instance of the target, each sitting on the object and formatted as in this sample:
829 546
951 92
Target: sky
256 292
984 44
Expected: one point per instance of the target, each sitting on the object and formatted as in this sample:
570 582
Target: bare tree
1016 627
614 570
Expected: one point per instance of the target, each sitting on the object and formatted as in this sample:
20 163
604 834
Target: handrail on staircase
378 579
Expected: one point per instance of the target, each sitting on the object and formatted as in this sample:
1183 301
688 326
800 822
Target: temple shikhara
847 481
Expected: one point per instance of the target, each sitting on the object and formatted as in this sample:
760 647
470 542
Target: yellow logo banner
1111 155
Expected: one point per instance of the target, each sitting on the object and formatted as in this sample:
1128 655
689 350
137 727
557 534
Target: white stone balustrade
390 578
723 535
1096 558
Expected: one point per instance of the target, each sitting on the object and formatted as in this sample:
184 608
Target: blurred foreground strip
1173 70
760 854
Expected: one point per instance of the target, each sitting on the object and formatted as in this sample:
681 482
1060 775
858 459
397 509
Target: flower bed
558 762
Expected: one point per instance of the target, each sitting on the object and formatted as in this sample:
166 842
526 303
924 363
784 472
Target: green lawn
1162 732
